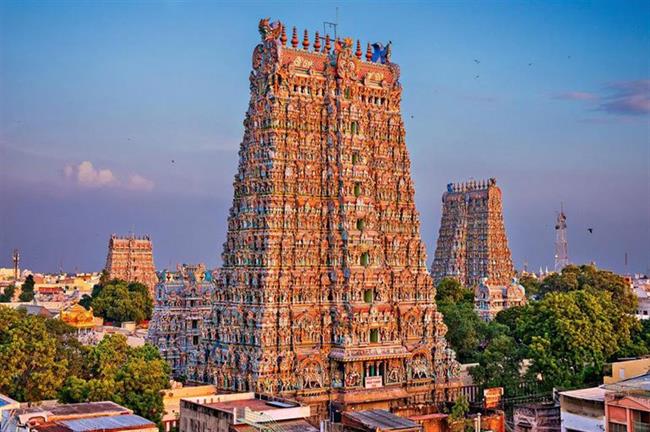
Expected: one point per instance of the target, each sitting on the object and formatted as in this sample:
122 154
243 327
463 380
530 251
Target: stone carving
131 258
324 279
178 326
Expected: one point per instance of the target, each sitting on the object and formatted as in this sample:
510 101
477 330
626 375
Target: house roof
382 419
592 394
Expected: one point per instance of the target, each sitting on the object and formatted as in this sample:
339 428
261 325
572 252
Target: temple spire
327 43
368 52
305 41
358 52
283 37
294 38
317 42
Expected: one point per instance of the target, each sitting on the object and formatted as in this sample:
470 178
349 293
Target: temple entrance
373 373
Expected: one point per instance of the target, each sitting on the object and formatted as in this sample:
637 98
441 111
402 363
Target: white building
641 286
583 410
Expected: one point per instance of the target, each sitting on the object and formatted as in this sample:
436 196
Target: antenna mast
561 244
329 26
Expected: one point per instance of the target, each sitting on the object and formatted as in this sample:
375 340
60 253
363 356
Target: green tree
121 301
32 367
499 364
531 284
570 335
465 329
133 377
588 277
27 289
8 294
451 291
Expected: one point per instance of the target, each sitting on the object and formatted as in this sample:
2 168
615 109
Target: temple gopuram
178 326
473 247
324 294
130 258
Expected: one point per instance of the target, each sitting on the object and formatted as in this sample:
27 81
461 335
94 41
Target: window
360 224
195 340
357 189
354 128
347 93
617 427
364 259
368 296
195 324
355 158
374 335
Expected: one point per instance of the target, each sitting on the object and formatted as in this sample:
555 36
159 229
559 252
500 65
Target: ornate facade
489 300
131 258
179 324
472 243
324 293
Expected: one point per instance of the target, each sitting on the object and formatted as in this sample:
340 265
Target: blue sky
97 98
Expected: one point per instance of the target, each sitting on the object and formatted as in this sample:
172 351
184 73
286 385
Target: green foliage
42 359
581 322
590 278
451 291
465 328
531 284
8 294
460 408
130 376
27 290
33 365
119 301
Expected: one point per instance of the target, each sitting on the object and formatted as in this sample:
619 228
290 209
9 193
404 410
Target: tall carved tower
472 242
180 319
131 258
324 292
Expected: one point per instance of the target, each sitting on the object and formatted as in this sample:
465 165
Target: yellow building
622 370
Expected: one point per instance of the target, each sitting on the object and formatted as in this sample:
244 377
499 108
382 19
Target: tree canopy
27 289
581 322
119 301
42 359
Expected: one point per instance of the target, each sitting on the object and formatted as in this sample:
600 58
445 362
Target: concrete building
7 405
627 405
172 401
623 370
79 417
537 417
641 287
236 412
583 410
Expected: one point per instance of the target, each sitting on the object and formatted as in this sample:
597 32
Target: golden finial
358 53
327 43
294 38
305 41
368 52
317 42
283 37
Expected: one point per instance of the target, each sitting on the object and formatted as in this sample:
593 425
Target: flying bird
591 230
173 161
477 61
530 64
476 77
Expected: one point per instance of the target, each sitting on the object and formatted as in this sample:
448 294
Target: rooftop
382 420
77 409
592 394
254 404
639 384
102 423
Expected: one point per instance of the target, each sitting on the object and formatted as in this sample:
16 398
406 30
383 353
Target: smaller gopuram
131 258
472 242
182 305
489 300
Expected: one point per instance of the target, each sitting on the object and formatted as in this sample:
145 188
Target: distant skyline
127 116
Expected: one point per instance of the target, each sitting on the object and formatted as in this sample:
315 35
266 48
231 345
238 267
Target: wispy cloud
622 98
576 96
86 175
627 98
